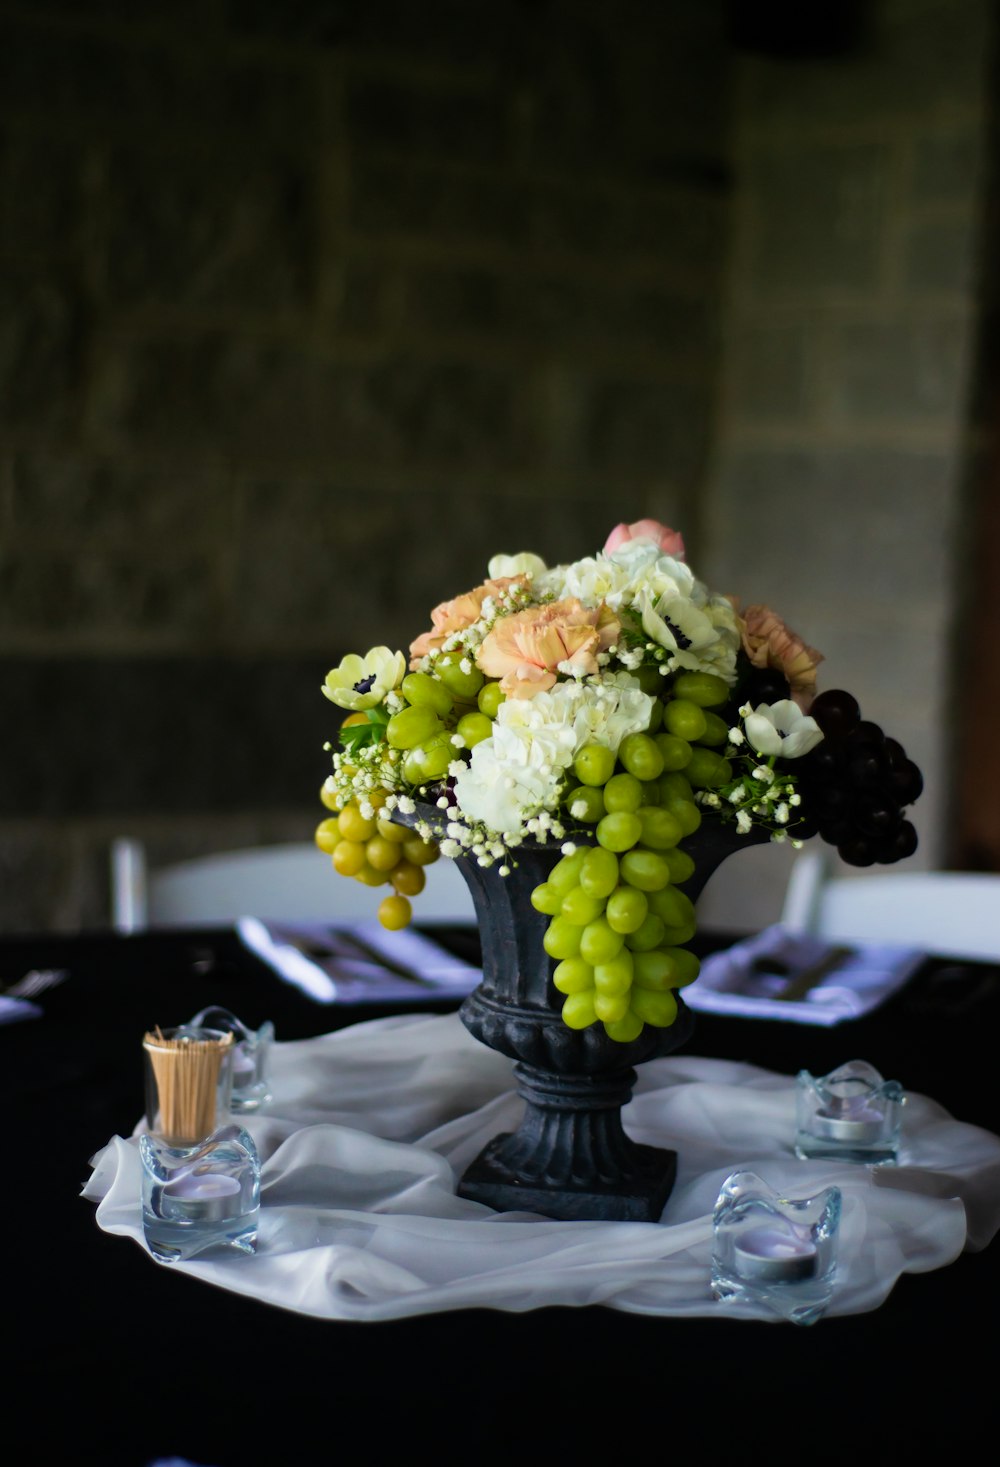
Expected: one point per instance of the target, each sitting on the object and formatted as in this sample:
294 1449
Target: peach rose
456 615
526 650
768 643
671 542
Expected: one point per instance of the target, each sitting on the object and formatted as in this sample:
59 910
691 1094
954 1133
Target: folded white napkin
358 964
370 1127
14 1010
746 978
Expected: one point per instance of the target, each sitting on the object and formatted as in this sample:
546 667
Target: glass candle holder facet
251 1055
852 1114
775 1251
200 1198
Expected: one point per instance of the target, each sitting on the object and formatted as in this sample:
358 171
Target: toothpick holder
189 1081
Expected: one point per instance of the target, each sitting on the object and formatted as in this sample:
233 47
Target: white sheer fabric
371 1125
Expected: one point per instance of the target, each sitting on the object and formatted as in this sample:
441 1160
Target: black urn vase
570 1157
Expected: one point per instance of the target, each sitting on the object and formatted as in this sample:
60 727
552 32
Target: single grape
579 907
675 783
585 803
423 691
473 728
836 712
409 880
489 698
661 829
620 831
654 970
686 964
595 764
716 731
685 719
565 874
461 682
685 812
622 792
348 857
420 852
641 756
390 830
353 825
658 1009
707 768
648 935
395 912
680 866
368 876
646 870
578 1010
627 908
546 899
674 907
430 759
412 726
624 1031
328 835
614 976
598 942
702 688
599 872
573 975
611 1007
383 854
676 752
562 939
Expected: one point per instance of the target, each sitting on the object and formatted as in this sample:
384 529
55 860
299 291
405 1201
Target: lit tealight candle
852 1119
202 1196
779 1255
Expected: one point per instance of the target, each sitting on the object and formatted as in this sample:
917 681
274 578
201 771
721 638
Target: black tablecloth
108 1357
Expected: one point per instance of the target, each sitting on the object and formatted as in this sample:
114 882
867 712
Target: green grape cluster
619 921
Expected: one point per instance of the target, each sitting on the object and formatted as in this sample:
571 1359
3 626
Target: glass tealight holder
189 1079
775 1251
251 1055
852 1114
202 1198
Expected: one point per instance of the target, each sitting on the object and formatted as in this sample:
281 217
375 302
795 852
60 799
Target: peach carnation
671 542
456 615
527 649
768 643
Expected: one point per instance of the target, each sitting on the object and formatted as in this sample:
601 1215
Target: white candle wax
202 1196
775 1253
852 1119
244 1067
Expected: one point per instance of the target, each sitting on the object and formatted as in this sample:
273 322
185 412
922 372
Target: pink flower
671 542
456 615
768 643
527 649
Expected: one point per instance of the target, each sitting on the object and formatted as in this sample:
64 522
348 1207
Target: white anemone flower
782 728
363 682
523 564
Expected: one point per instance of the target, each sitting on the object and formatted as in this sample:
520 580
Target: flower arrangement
608 707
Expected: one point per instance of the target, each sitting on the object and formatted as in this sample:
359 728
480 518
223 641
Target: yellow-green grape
648 935
655 970
409 880
685 719
614 976
624 1030
563 939
545 898
565 874
716 731
611 1007
420 852
573 975
622 792
661 829
707 768
676 783
353 825
680 865
644 869
395 912
328 835
369 876
599 872
329 795
598 942
473 728
585 803
348 857
641 756
390 830
594 765
423 691
430 760
412 726
703 688
579 907
489 698
685 812
458 681
383 854
578 1010
658 1009
676 751
620 831
626 909
687 965
676 911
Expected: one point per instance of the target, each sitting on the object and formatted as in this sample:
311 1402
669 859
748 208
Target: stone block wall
306 309
849 439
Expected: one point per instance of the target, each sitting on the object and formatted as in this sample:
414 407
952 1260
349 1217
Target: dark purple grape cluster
856 785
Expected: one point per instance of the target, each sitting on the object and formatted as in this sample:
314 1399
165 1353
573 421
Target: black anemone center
366 684
679 637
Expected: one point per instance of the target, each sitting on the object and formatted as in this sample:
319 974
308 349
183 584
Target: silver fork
36 981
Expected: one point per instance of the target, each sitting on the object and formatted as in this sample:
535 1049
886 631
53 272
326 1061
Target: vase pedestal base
640 1198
